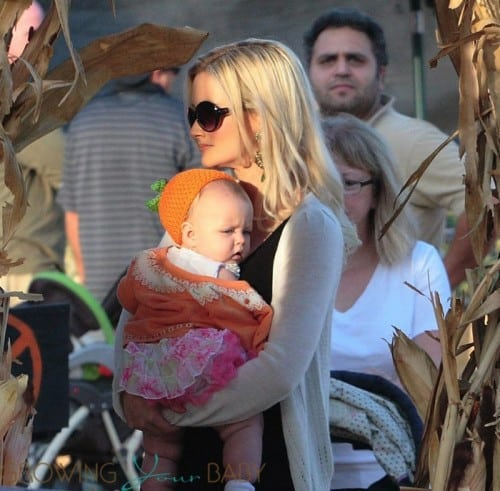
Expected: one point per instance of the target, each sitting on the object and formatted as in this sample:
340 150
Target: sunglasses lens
208 115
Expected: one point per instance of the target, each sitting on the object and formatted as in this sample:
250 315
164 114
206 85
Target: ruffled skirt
181 370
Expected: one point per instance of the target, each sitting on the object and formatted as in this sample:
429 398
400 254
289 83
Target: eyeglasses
208 115
354 187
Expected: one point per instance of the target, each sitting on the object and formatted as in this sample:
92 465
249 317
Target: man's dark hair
348 17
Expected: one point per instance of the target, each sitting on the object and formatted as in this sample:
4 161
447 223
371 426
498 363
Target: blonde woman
251 110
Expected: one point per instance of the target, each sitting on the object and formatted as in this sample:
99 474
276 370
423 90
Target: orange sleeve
126 292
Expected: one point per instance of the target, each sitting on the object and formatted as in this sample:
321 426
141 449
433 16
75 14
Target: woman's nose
195 130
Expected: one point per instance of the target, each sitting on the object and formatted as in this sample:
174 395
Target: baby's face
221 224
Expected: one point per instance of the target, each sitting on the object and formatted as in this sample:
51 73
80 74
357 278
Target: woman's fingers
143 415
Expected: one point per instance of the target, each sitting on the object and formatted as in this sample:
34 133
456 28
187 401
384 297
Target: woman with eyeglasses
372 297
251 110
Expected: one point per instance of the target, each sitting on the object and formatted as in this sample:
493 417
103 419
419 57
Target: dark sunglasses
208 115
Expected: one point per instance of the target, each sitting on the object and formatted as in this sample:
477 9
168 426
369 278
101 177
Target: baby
193 322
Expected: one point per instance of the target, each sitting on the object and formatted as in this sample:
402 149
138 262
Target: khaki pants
16 283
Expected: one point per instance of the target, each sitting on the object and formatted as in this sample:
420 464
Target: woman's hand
144 415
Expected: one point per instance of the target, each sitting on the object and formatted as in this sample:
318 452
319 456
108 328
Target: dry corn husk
11 392
474 472
458 416
15 443
461 445
416 370
496 447
16 421
469 34
34 102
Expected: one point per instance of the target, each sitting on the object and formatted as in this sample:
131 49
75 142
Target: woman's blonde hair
360 146
267 78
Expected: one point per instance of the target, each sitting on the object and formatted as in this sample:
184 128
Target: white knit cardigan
293 368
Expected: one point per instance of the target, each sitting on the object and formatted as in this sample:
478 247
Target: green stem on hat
157 186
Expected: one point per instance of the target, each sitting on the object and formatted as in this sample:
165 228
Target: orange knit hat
178 195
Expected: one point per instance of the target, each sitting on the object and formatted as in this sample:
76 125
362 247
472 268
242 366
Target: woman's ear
188 235
254 122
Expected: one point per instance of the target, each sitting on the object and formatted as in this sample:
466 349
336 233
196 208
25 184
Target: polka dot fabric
366 417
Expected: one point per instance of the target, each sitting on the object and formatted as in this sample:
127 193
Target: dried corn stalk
461 444
416 370
469 32
33 103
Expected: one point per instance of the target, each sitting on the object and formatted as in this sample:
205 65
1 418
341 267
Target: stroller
370 412
96 447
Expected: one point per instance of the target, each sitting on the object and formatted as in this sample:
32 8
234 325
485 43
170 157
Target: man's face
344 73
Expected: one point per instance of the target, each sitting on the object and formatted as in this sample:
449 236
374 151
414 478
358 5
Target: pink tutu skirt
186 369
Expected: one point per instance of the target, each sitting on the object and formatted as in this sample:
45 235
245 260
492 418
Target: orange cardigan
166 301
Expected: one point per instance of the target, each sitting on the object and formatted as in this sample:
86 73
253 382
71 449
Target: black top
201 466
